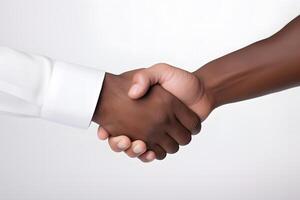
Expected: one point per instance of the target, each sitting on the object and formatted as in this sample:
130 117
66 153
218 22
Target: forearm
261 68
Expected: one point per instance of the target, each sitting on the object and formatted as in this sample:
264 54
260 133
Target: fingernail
121 145
134 89
137 149
149 157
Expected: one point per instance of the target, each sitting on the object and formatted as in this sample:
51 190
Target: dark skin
265 67
159 119
261 68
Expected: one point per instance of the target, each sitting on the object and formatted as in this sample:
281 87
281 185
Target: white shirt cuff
72 95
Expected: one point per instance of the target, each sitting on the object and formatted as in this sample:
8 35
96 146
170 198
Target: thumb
146 78
142 81
140 84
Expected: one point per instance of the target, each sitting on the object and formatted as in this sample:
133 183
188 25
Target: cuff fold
72 94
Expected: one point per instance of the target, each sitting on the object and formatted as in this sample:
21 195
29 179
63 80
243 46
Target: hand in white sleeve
37 86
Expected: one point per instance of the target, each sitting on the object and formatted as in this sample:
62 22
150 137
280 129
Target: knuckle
159 152
161 65
138 76
196 127
161 156
171 146
174 149
186 140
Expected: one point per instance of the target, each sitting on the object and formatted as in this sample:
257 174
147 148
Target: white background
247 150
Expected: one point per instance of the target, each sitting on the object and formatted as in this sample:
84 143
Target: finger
136 149
119 143
159 151
141 84
145 78
102 133
187 118
179 133
148 156
169 144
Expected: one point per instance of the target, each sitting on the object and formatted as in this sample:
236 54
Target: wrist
206 101
107 82
210 84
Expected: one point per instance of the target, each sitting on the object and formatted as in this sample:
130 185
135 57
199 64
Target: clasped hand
151 112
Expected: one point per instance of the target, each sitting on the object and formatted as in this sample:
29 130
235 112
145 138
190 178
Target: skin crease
159 119
267 66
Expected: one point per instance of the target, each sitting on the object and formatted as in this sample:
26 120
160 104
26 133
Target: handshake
159 107
150 112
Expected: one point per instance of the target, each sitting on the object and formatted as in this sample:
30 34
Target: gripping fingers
102 133
187 118
136 149
169 144
119 143
148 156
159 151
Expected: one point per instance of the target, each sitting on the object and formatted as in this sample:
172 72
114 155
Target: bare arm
261 68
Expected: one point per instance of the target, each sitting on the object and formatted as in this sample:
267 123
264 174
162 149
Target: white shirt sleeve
37 86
